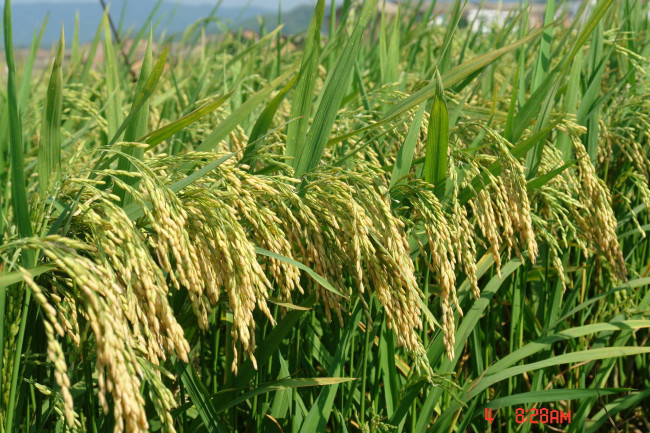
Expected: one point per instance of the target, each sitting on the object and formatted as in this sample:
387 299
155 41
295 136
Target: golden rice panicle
118 372
144 296
229 260
463 235
12 327
599 223
516 199
54 350
162 398
484 215
439 252
374 252
258 199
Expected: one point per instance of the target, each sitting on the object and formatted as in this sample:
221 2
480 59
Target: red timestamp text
535 416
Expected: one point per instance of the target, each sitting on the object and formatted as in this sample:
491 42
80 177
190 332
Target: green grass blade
156 137
612 409
320 412
114 113
92 51
571 103
140 101
21 209
241 113
146 26
26 81
136 127
405 154
444 64
198 394
137 120
18 185
435 162
454 76
49 149
464 70
285 384
320 280
264 40
566 358
75 53
9 278
567 334
393 51
544 55
334 89
547 396
303 97
264 122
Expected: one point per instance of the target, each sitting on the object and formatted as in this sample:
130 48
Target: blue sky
29 14
271 4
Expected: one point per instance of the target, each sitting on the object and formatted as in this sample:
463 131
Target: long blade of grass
544 55
256 46
334 89
16 165
320 280
49 149
20 207
9 278
573 357
198 394
114 113
263 123
241 113
26 80
156 137
303 97
454 76
405 154
284 384
435 162
320 412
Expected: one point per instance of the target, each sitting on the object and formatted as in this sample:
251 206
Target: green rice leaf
199 396
114 113
454 76
264 122
435 162
303 97
283 384
18 185
405 154
566 358
49 149
159 135
9 278
241 113
334 89
321 409
320 280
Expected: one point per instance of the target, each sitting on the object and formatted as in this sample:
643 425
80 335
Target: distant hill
174 18
295 21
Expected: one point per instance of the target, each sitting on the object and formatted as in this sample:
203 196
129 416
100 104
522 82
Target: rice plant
394 225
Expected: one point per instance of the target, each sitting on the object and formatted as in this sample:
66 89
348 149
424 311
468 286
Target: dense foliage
389 226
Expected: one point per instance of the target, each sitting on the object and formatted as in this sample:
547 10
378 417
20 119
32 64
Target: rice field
387 223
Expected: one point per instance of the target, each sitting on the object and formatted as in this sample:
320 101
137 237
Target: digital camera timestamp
535 416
